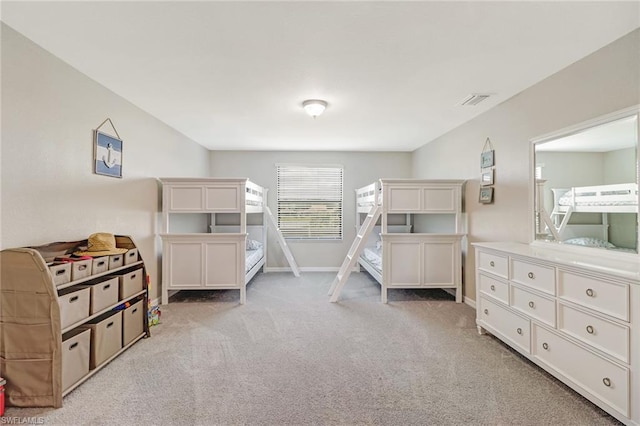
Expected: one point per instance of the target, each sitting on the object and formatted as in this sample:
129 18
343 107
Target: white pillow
378 245
253 244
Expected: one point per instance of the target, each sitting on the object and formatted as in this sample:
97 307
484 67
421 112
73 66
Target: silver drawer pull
545 346
492 263
530 275
493 287
589 292
519 330
486 312
607 382
589 329
531 304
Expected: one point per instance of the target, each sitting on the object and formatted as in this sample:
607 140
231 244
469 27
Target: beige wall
360 169
606 81
49 192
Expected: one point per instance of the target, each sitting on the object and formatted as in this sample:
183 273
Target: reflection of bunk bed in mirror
602 199
423 252
207 243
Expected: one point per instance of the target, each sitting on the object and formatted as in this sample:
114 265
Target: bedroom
66 105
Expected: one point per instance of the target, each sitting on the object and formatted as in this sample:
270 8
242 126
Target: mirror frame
568 131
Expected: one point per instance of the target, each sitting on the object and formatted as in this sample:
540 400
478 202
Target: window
310 202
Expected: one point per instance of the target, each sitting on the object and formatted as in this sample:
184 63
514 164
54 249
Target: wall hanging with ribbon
107 152
487 165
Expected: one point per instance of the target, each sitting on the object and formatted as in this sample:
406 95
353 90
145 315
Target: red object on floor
2 383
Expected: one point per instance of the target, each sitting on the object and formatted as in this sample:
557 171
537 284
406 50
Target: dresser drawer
605 335
494 288
493 263
540 277
603 296
513 327
598 376
533 305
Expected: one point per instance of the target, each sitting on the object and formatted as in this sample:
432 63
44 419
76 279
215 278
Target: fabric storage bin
130 283
132 318
81 269
75 356
131 256
61 273
100 264
106 337
103 294
116 261
74 305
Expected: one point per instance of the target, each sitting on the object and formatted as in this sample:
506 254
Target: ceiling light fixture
314 107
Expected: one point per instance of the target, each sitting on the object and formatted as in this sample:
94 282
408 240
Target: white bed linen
252 257
373 255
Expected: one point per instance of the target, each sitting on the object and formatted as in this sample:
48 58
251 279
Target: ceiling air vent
474 99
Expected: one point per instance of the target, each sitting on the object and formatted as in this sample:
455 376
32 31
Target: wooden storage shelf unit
43 359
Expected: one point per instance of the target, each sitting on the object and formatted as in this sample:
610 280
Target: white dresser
576 315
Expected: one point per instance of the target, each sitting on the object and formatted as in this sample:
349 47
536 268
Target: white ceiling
233 75
613 136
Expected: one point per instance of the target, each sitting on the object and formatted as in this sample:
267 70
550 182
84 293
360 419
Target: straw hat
101 244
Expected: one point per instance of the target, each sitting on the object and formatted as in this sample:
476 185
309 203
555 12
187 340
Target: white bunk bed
228 256
603 199
397 256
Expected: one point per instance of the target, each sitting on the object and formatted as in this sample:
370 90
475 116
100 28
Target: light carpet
289 357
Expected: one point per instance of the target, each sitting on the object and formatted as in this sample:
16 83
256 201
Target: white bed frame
603 199
415 260
216 260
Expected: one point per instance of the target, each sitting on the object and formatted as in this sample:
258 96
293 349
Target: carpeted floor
289 357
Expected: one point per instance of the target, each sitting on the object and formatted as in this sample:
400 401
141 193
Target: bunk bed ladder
354 252
282 242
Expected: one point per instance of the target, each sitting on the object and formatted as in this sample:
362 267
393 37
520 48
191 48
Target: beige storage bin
74 305
81 269
75 356
116 261
106 337
103 294
61 273
131 256
130 283
132 318
100 264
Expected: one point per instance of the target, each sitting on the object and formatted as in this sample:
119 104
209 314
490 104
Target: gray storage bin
132 322
130 283
106 337
103 294
100 264
74 305
75 356
81 269
116 261
61 273
131 256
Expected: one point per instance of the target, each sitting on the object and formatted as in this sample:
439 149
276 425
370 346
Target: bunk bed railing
254 195
626 193
366 198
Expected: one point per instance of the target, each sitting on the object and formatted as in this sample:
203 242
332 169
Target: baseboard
465 300
304 269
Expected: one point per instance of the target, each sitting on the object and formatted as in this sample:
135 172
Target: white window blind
310 202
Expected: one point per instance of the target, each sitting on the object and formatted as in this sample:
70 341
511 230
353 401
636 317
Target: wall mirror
586 184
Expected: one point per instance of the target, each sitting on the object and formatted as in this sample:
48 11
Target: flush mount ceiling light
314 107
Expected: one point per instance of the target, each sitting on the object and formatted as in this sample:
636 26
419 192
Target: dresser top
627 266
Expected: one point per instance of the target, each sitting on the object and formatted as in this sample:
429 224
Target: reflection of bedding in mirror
588 189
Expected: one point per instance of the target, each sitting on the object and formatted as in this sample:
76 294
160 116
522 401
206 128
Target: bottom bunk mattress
373 256
252 257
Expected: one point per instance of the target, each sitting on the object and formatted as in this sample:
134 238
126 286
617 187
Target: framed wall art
486 178
107 153
486 195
